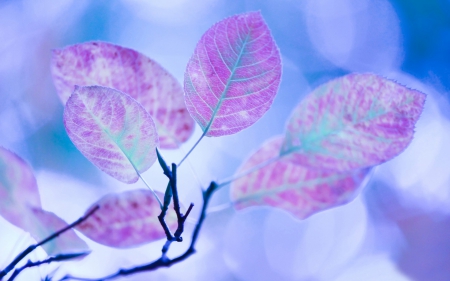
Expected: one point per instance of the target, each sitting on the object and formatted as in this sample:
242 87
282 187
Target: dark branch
163 261
58 258
171 191
31 248
167 199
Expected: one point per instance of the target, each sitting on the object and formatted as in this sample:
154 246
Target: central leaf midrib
106 131
339 130
229 80
288 186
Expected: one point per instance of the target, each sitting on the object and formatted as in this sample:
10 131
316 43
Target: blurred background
398 227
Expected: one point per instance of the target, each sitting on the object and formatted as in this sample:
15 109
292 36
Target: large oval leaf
301 191
105 64
112 130
126 219
18 188
355 121
233 75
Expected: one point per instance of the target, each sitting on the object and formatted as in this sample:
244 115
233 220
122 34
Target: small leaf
233 75
167 196
352 122
108 65
18 188
43 224
112 130
126 219
301 191
163 163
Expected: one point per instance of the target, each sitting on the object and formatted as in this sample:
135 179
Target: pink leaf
126 219
352 122
43 224
105 64
18 188
112 130
301 191
233 75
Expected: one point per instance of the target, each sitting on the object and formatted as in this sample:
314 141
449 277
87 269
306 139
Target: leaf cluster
122 108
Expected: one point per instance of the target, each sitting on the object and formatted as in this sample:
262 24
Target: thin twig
219 208
57 258
163 261
249 171
31 248
171 192
151 189
192 149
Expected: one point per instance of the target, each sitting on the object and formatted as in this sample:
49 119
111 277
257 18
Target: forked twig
31 248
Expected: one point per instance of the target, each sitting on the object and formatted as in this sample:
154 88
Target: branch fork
171 192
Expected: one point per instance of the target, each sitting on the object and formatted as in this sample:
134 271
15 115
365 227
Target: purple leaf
105 64
352 122
126 219
43 224
300 190
233 75
112 130
18 188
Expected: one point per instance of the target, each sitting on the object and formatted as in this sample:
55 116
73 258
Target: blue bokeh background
396 229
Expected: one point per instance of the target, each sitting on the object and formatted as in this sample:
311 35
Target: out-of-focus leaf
18 188
126 219
300 190
112 130
20 204
233 75
43 224
352 122
105 64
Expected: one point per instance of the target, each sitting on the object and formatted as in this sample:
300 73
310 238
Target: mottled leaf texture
352 122
300 190
126 219
20 204
44 224
112 130
233 75
18 188
108 65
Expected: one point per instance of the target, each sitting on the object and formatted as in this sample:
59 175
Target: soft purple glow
20 204
299 190
112 130
233 76
352 122
105 64
18 188
357 35
126 219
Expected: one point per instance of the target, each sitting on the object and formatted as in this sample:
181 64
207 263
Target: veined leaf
18 188
233 75
300 190
108 65
112 130
352 122
126 219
